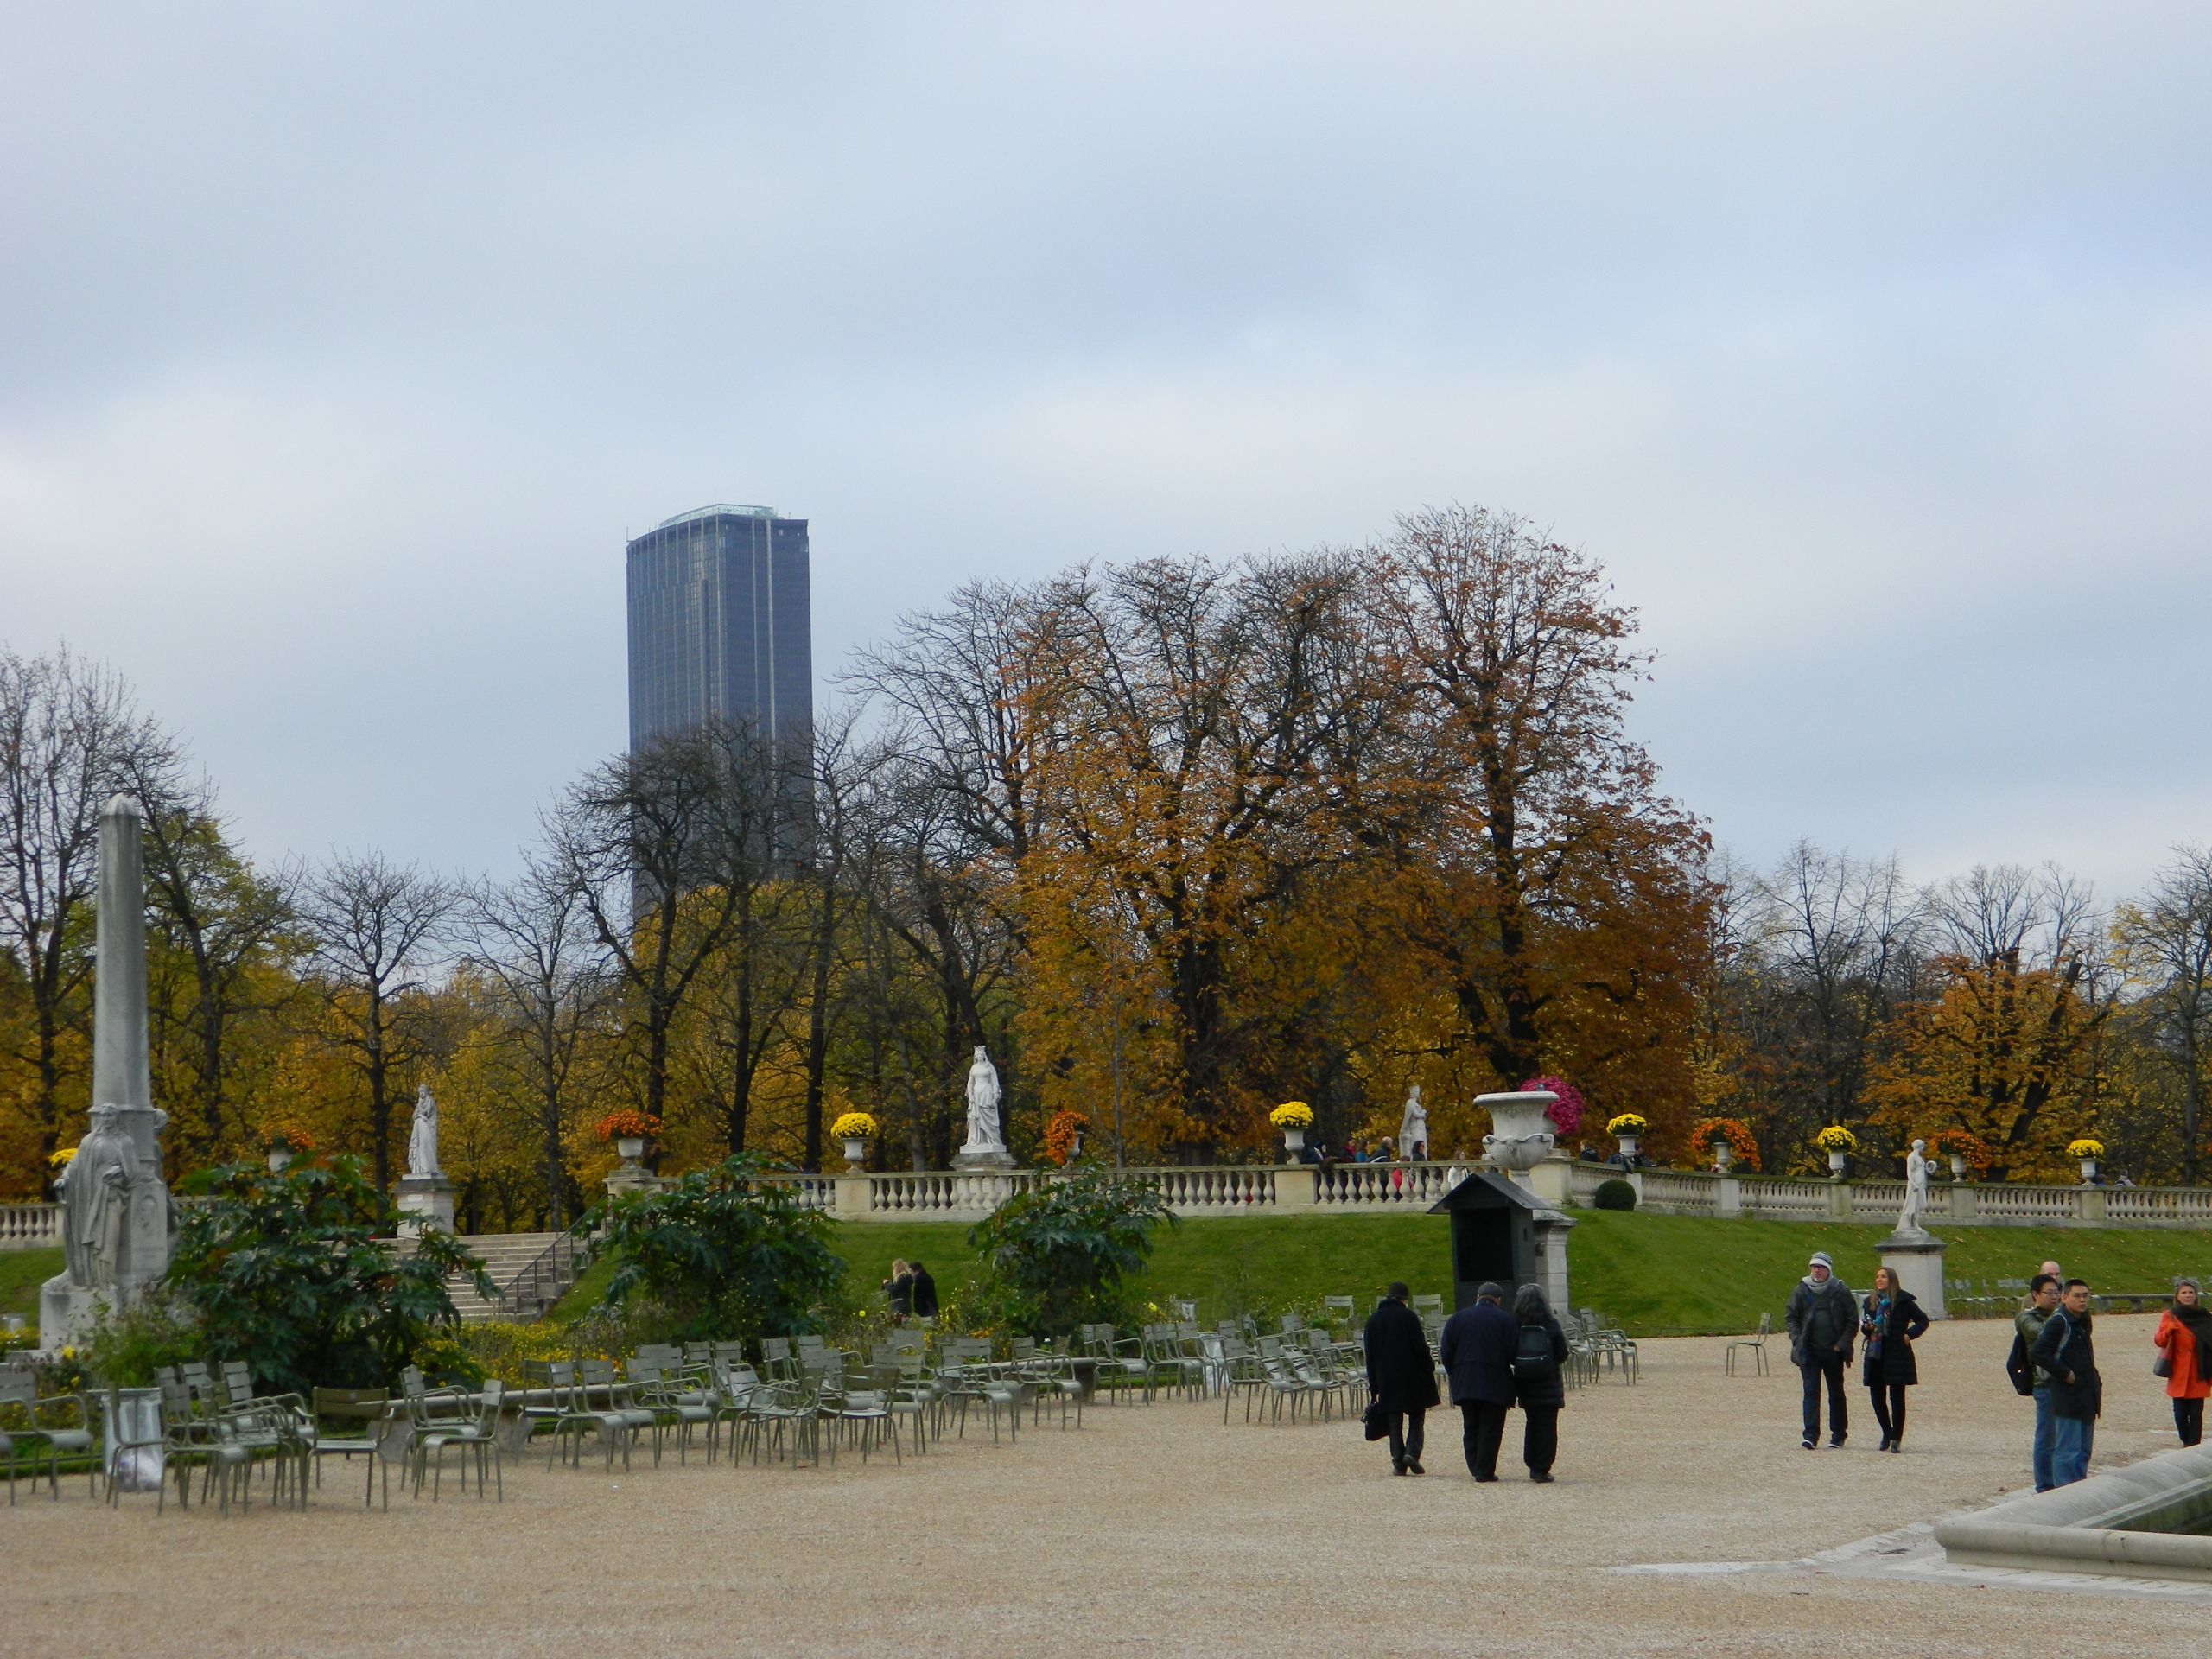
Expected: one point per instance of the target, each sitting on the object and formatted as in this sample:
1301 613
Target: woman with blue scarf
1890 1318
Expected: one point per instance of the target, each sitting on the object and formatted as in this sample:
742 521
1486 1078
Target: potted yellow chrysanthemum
855 1129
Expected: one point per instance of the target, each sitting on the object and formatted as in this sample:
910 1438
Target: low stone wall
1704 1193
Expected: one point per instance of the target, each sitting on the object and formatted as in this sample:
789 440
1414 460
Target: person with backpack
1477 1348
1822 1319
2184 1340
2066 1350
1890 1321
2031 1380
1401 1377
1539 1384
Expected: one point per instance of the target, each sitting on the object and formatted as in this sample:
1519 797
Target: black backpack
1532 1354
2019 1367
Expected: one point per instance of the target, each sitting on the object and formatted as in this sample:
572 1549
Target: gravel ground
1152 1529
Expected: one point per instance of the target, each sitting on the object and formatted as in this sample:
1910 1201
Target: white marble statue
983 1134
1412 1125
1916 1189
96 1202
422 1137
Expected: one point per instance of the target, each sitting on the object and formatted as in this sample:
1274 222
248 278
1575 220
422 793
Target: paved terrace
1151 1530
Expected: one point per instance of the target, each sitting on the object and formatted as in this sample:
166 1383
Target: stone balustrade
1201 1190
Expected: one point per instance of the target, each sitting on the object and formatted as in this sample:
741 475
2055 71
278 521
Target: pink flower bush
1565 1112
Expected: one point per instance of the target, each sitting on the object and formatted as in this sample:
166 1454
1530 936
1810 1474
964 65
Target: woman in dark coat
1890 1318
1539 1382
1402 1376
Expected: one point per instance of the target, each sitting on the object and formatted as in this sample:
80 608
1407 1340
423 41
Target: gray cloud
339 351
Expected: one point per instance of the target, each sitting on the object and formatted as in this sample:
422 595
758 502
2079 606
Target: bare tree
2167 946
375 931
70 737
531 942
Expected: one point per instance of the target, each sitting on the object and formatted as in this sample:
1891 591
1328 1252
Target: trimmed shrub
1616 1194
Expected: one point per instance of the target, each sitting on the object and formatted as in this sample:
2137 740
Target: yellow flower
852 1126
1292 1115
61 1159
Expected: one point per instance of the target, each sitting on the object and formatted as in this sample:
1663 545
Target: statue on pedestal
1413 1126
422 1136
985 1146
1916 1190
96 1203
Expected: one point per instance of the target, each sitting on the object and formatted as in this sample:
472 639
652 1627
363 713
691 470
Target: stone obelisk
115 1205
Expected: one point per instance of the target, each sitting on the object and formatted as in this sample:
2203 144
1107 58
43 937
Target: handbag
2163 1365
1375 1423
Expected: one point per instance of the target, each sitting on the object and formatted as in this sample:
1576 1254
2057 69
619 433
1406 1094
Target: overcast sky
342 347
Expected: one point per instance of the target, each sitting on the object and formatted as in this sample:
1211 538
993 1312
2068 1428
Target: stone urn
1293 1142
1521 1135
856 1151
1723 1155
1958 1167
630 1148
1835 1163
1628 1143
2089 1172
280 1160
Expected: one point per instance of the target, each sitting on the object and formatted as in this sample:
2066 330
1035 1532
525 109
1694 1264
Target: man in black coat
1822 1320
1477 1349
1401 1374
2066 1349
925 1293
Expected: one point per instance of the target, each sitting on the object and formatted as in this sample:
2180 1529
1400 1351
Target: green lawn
21 1272
1657 1275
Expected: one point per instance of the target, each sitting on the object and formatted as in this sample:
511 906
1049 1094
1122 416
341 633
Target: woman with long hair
1890 1318
2184 1336
899 1289
1539 1384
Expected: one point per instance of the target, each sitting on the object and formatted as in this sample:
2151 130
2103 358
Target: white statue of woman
1916 1189
983 1106
96 1201
1413 1126
422 1137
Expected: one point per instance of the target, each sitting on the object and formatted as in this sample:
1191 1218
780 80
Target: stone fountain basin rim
2083 1528
1516 1096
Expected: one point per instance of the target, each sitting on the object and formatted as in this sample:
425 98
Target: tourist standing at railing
2185 1339
1477 1349
2067 1351
1890 1320
1822 1319
1539 1383
924 1294
1401 1376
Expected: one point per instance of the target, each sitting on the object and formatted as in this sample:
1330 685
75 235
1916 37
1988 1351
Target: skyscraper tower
721 624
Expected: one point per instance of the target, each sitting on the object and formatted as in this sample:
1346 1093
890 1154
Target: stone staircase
506 1256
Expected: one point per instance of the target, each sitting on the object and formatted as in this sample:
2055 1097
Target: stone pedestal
1727 1196
1916 1258
625 1179
1296 1187
1548 1180
68 1312
425 1205
995 1158
848 1197
1551 1229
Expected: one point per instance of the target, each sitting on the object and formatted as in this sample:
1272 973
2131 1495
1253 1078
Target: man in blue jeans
2065 1349
2042 1302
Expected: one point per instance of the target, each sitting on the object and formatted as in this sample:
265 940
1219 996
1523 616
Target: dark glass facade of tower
721 624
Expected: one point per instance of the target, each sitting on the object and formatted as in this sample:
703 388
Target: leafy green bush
1055 1257
297 1274
725 1258
1616 1194
126 1349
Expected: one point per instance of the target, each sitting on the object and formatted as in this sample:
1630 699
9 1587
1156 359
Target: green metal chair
479 1435
350 1423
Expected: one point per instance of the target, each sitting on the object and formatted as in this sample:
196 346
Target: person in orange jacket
2184 1336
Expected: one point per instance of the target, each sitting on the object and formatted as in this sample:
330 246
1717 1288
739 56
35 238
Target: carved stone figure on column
96 1203
1916 1190
1413 1126
986 1143
422 1135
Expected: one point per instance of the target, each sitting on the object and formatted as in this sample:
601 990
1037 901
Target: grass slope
1657 1275
21 1272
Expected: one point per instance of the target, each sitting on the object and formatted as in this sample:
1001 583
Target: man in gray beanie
1822 1320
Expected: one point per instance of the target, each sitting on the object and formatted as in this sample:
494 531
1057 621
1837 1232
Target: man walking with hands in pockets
1823 1319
